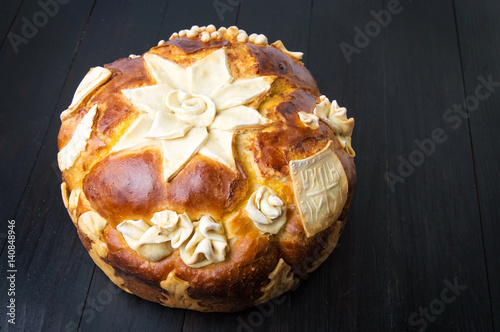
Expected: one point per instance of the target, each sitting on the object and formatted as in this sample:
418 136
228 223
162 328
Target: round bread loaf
208 173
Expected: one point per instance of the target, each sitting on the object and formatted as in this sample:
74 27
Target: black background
405 237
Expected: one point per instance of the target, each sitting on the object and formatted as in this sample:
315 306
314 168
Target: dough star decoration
192 110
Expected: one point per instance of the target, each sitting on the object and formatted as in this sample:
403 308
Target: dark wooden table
420 249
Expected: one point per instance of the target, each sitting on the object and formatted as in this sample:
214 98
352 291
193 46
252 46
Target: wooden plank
127 310
7 16
290 22
434 223
132 28
29 105
53 270
178 15
350 291
182 15
65 314
108 308
309 307
479 37
293 29
29 89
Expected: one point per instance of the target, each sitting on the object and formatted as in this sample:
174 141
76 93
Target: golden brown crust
205 186
235 283
303 253
127 186
350 170
274 62
189 46
289 139
127 74
130 185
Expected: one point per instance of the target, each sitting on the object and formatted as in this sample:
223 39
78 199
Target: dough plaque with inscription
321 188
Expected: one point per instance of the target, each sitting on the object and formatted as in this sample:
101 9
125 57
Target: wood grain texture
7 17
434 221
53 272
182 15
354 292
146 315
289 22
136 25
29 89
479 38
399 246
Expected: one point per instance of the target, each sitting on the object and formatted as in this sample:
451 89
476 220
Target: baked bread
208 173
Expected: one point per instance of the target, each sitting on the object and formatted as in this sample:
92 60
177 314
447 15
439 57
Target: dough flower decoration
156 240
207 245
192 110
336 118
177 227
266 210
